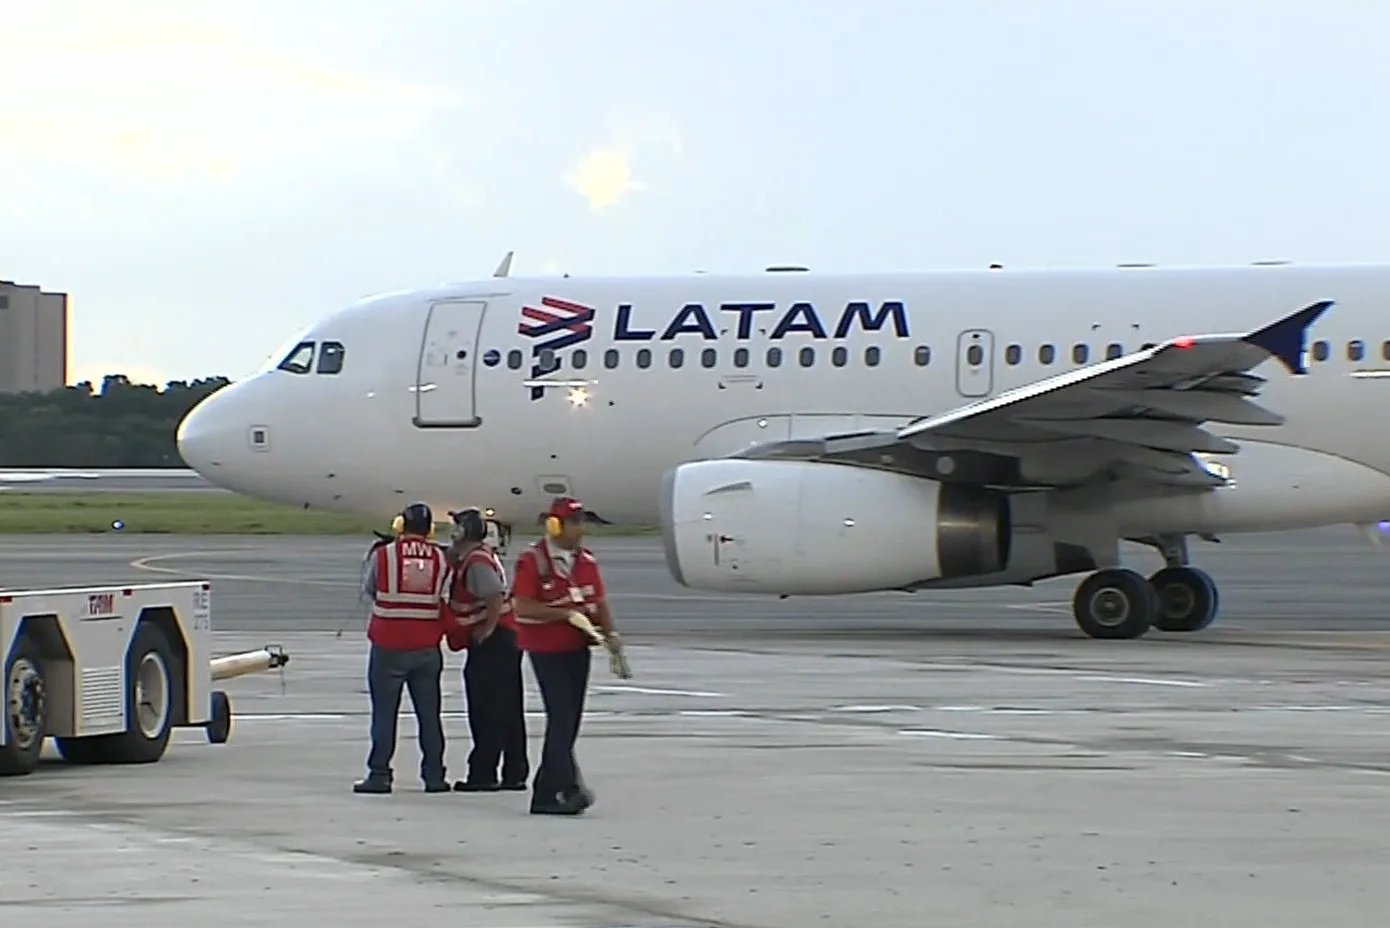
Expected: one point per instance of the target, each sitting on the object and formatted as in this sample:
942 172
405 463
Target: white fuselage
435 398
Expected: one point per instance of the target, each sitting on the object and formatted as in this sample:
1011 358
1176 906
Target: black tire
23 708
1115 604
220 718
153 671
1187 599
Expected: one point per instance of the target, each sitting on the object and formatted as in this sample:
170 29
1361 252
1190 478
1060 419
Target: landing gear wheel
25 719
1187 599
1115 603
220 718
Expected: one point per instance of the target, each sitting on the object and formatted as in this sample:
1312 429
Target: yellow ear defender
398 525
553 526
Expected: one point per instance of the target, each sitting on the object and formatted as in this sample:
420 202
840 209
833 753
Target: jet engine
809 528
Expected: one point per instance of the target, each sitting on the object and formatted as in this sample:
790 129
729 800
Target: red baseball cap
565 508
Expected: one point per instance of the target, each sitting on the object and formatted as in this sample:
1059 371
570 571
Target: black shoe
474 786
582 798
554 805
513 786
372 786
437 786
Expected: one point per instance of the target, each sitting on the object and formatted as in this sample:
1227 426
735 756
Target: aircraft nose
210 434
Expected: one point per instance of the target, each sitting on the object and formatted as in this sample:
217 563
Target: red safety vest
579 588
411 577
464 610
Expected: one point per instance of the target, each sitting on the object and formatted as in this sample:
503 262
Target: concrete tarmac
863 761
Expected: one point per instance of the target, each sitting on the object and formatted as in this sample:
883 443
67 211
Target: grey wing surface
1138 417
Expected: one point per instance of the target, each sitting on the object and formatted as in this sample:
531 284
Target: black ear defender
469 525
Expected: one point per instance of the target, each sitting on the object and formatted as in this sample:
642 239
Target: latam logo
557 324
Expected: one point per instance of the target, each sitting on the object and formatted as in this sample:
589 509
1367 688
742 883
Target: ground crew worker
407 579
555 577
484 624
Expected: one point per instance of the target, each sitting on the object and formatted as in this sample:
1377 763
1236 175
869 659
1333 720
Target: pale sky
205 178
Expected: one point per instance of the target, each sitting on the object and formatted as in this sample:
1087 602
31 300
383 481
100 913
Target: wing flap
1199 404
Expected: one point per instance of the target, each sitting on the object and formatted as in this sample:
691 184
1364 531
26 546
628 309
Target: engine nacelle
806 528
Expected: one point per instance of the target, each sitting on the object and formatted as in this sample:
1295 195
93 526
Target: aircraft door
446 377
975 362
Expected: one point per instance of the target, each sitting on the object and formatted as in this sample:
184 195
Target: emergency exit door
975 362
446 378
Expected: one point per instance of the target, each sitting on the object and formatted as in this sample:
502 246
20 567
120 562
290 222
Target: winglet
1287 339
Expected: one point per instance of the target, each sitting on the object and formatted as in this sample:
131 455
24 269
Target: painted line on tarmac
147 564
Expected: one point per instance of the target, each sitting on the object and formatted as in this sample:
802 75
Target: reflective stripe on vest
409 587
470 609
547 568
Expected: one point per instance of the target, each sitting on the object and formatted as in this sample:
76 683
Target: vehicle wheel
25 719
1115 603
1187 599
220 718
154 688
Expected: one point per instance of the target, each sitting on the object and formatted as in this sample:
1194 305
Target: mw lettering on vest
411 576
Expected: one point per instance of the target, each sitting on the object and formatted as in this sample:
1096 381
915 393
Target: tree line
119 424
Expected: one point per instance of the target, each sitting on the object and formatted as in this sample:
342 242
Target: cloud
604 176
136 93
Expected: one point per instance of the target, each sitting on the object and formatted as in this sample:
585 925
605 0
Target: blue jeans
388 672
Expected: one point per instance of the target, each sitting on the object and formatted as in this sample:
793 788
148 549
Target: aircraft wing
1140 416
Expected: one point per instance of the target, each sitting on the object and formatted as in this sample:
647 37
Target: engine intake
808 528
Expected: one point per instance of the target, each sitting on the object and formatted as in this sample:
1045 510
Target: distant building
33 338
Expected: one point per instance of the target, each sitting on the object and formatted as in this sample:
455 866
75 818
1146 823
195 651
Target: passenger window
974 356
1079 354
921 355
331 357
840 356
676 358
644 357
871 355
807 356
709 357
1046 354
300 360
1113 351
1013 354
610 358
579 359
1320 350
774 357
547 361
740 357
1356 350
514 359
1385 351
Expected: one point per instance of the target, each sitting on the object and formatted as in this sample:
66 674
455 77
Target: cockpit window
331 357
300 360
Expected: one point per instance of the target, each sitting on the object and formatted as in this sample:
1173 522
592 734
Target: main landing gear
1121 603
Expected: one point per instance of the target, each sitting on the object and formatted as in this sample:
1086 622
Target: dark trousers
388 672
564 681
496 718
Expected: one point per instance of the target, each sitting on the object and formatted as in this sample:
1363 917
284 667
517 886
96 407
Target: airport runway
115 480
874 761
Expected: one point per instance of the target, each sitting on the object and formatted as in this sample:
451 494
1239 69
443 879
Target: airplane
797 433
